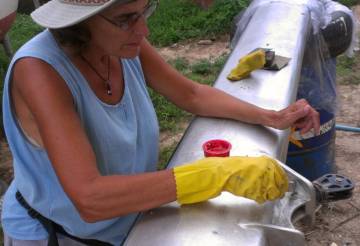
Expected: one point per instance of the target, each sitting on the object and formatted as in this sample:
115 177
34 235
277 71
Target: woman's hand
299 115
208 101
257 178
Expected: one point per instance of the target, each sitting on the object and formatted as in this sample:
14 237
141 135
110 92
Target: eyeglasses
125 22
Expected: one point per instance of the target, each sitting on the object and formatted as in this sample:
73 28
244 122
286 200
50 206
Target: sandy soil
197 50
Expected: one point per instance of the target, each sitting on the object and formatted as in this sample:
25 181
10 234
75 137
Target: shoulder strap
52 228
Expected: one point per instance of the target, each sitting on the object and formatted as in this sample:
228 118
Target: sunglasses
125 22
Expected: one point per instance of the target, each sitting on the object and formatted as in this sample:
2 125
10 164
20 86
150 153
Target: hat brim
55 14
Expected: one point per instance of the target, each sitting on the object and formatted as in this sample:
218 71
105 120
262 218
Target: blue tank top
124 137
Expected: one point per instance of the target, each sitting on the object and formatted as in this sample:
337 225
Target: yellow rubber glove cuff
247 64
256 178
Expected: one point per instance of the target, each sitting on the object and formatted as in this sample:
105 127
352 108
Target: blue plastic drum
313 156
309 155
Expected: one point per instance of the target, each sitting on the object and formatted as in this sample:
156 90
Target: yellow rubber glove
256 178
247 64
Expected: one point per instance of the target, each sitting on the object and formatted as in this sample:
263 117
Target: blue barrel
313 156
309 155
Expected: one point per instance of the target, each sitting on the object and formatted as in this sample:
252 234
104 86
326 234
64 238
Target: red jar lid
216 148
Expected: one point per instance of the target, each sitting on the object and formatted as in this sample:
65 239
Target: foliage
349 2
165 155
21 31
202 67
175 21
347 70
203 71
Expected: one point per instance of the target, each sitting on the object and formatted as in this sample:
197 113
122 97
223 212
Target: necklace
106 80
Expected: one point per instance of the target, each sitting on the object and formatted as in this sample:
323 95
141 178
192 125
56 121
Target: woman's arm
96 197
208 101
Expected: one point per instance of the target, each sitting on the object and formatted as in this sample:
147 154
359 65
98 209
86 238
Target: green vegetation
21 31
203 71
348 70
178 20
165 155
349 2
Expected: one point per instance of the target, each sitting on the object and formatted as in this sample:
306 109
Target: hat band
85 2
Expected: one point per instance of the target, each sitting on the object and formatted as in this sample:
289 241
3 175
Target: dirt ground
339 223
336 223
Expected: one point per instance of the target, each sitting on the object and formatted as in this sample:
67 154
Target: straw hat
63 13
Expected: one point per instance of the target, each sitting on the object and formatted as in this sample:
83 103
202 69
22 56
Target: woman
84 134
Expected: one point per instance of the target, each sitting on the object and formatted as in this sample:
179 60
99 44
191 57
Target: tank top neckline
85 82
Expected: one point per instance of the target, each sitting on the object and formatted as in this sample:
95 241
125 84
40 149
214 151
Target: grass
349 2
180 20
203 71
165 154
21 31
348 70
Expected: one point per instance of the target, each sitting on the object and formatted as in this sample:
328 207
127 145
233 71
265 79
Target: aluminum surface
227 219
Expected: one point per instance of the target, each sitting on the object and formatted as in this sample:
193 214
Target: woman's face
120 29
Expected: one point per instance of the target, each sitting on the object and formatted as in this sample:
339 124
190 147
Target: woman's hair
76 36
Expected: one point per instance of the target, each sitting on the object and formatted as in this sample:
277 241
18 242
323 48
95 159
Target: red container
216 148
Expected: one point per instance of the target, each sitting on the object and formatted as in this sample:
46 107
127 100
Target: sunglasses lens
126 24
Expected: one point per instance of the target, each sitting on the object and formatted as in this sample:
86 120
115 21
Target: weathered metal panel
227 219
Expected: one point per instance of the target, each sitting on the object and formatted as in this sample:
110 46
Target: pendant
108 88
